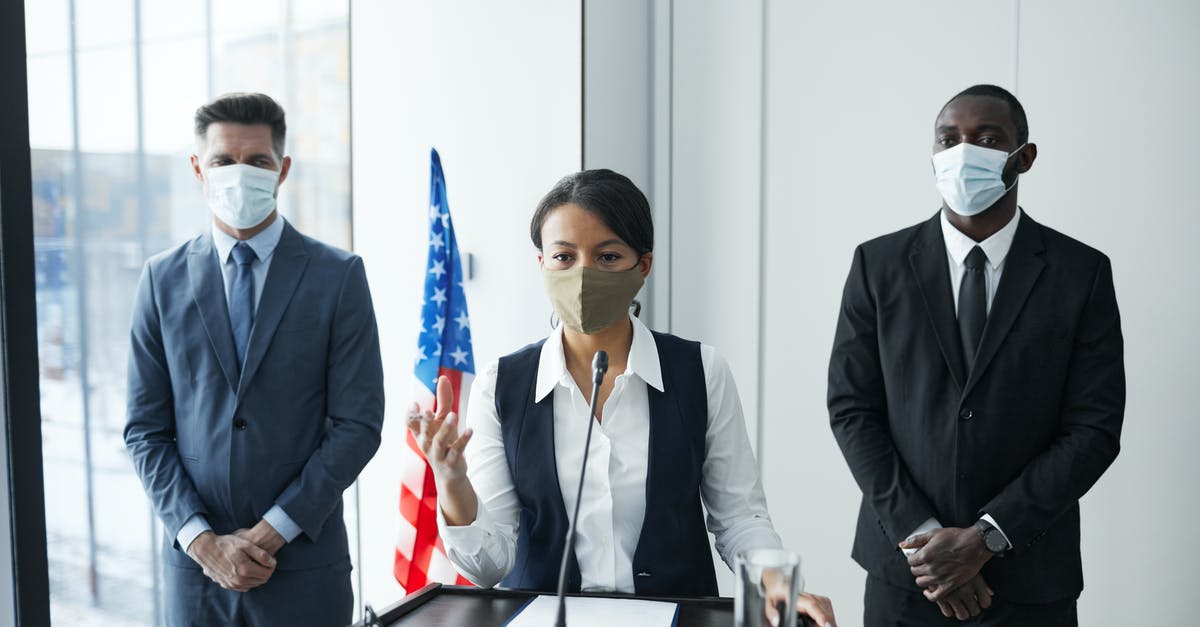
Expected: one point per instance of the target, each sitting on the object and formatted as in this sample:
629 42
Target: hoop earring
554 320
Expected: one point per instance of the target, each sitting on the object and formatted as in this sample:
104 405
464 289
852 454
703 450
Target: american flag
443 349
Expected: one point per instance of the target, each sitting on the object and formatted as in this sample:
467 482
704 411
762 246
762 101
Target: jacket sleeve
1093 408
150 417
354 385
858 413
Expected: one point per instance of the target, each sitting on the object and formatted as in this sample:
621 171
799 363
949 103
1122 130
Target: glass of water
768 582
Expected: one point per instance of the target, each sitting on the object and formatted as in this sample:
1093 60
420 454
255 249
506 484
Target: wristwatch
993 539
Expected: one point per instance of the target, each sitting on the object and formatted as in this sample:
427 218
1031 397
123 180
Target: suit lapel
287 266
932 270
1022 267
208 292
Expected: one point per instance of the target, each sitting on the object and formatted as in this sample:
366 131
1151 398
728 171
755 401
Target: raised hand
438 436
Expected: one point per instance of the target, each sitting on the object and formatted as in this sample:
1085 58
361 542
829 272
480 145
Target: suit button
966 414
239 424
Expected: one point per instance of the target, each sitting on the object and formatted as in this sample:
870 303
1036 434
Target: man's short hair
1014 106
244 108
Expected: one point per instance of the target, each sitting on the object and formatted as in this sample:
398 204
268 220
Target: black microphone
599 367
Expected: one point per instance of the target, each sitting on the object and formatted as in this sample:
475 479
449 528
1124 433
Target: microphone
599 368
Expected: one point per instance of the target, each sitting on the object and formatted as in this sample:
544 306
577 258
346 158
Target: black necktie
972 304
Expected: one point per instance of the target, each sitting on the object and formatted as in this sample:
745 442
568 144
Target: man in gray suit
255 392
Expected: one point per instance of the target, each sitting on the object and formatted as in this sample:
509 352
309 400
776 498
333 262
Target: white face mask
241 195
969 177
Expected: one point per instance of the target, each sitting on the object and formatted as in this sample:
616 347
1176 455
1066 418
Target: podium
436 605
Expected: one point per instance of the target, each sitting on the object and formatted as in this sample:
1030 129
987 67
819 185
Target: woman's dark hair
611 197
243 108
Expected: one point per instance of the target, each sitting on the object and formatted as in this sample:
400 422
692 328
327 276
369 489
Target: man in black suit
976 389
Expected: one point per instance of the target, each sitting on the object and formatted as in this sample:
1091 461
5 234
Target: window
113 85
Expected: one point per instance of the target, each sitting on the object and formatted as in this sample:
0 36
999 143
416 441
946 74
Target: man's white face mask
241 195
969 177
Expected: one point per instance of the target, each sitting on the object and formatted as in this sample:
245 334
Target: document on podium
596 612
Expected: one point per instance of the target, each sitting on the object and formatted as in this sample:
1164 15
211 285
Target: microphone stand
599 367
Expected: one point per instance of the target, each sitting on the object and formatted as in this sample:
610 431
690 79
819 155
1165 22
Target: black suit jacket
1021 436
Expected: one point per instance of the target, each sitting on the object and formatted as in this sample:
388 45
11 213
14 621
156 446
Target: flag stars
436 243
439 325
459 356
438 269
434 212
421 356
462 320
439 296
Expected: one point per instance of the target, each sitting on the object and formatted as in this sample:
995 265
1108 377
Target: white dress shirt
958 246
263 244
614 490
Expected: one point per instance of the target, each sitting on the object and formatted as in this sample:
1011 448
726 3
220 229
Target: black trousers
890 606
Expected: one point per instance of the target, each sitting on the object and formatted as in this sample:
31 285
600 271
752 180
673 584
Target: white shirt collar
643 361
263 244
995 247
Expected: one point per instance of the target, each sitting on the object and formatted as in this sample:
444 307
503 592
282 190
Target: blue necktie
241 298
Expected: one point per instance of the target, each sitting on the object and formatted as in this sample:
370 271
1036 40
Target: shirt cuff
926 527
465 539
992 522
282 523
191 530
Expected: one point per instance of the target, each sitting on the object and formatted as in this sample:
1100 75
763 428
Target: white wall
716 198
496 88
1111 92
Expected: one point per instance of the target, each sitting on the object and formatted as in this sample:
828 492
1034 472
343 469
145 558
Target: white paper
596 612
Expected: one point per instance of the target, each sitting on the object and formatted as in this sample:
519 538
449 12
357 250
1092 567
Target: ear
644 264
196 168
541 261
1026 158
284 168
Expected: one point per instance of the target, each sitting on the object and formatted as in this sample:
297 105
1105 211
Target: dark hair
1014 106
243 108
611 197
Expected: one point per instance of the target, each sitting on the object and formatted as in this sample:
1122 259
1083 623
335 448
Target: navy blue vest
672 556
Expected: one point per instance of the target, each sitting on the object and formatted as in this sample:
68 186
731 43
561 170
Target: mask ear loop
1018 176
636 305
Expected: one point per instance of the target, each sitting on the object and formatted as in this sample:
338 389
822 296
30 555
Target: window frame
21 446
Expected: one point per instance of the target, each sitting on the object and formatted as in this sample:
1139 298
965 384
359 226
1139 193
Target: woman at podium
669 434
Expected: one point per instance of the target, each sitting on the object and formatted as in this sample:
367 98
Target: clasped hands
946 566
240 561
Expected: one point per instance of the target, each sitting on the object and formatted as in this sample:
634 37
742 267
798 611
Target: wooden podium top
436 605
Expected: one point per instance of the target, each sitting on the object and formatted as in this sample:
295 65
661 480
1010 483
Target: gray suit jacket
295 425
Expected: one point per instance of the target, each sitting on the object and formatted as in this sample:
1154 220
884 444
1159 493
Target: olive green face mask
588 300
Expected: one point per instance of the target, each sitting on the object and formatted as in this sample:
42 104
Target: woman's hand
438 436
816 608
